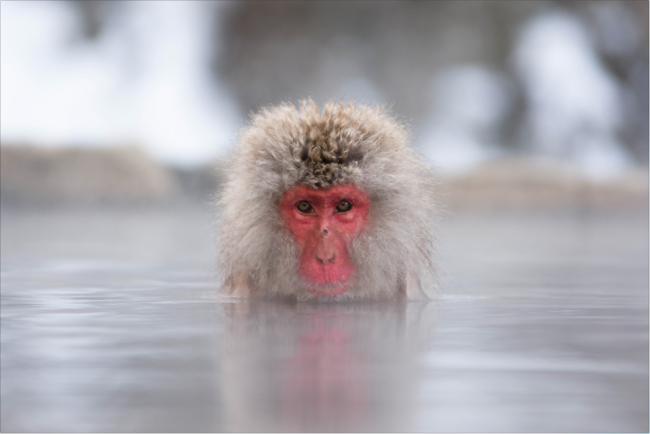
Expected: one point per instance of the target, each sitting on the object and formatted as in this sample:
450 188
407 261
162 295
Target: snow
145 81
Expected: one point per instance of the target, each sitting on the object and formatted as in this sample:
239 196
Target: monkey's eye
344 206
304 206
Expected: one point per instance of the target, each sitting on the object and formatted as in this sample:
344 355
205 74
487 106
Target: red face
324 222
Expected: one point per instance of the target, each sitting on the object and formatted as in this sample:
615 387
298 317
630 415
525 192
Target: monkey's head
327 204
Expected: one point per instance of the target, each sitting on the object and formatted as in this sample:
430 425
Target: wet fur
285 146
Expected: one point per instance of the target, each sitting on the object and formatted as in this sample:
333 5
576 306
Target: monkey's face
324 222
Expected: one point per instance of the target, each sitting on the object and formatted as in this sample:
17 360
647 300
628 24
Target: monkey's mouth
330 289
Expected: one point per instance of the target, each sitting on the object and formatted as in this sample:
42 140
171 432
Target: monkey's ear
414 289
236 286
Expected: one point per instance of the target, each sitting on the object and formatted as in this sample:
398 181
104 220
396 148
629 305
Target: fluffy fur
360 145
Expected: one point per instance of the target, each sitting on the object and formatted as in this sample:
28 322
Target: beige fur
360 145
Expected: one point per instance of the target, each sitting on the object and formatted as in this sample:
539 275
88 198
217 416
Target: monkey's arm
237 286
414 289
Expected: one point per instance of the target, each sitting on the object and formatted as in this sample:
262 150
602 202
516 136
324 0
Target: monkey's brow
319 200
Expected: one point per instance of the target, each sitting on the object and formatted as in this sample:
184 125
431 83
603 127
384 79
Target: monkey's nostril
325 232
325 261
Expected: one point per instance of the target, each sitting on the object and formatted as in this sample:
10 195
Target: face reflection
324 379
305 366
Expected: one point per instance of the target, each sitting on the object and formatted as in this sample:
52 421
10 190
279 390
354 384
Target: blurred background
141 101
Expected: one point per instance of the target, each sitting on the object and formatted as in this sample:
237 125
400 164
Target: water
110 322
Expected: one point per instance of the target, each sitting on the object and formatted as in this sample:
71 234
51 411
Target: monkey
327 205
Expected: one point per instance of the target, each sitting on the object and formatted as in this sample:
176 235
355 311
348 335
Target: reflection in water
323 364
325 377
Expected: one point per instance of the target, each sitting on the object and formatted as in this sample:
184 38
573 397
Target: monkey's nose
325 259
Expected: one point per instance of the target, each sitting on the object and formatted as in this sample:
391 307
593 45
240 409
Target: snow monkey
329 204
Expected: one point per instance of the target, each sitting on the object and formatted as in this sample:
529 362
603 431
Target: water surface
110 322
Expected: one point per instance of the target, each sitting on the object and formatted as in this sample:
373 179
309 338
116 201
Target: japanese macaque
329 204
